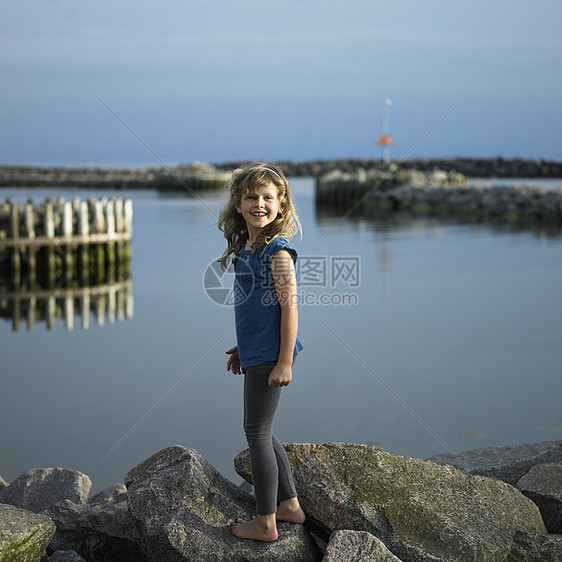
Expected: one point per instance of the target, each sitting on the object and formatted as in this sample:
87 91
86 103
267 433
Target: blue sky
299 79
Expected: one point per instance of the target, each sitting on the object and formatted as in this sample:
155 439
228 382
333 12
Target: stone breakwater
361 503
528 204
201 175
192 177
470 167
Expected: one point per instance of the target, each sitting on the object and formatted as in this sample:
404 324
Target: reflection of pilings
112 301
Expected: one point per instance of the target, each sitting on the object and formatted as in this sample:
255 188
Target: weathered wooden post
49 227
84 231
110 245
15 234
30 234
99 222
119 218
67 231
128 216
119 228
66 218
99 227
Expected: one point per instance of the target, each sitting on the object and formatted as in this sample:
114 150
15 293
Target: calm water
446 337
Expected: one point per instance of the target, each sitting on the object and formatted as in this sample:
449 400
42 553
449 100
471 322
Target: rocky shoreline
529 205
499 503
200 175
469 167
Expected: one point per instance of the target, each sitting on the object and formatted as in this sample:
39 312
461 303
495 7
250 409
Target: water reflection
110 301
462 323
396 221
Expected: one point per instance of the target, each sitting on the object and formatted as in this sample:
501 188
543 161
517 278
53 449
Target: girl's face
259 208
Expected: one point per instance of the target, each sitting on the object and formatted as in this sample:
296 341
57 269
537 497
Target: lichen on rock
420 510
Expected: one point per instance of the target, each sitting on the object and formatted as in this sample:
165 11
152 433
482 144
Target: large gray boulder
420 510
543 485
99 533
536 548
357 546
507 463
184 510
39 488
24 535
112 494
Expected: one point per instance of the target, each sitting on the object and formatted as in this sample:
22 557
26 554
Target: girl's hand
233 363
281 375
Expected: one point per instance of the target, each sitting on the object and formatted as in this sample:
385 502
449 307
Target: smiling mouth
259 214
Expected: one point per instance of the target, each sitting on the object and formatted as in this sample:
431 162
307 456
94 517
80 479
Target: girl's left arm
284 278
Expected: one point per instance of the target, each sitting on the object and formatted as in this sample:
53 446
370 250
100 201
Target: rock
355 546
97 532
184 510
39 488
24 535
113 494
420 510
543 485
3 483
66 556
536 548
508 463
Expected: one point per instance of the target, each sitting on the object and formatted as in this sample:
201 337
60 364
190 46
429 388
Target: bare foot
255 530
291 512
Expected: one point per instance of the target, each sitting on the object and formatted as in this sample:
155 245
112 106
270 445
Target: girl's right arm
233 363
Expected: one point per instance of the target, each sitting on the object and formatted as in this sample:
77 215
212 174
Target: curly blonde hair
249 180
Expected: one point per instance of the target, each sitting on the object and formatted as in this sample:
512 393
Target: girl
257 222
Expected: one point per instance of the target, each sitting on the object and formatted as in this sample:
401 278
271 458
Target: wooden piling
66 258
30 234
15 234
49 225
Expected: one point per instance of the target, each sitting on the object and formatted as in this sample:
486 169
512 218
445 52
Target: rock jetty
525 204
202 175
471 167
416 185
190 178
362 504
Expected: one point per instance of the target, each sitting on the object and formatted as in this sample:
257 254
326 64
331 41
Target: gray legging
271 473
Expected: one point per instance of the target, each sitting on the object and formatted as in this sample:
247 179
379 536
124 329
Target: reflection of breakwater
61 258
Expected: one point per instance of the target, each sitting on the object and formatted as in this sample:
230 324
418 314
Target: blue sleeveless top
256 307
